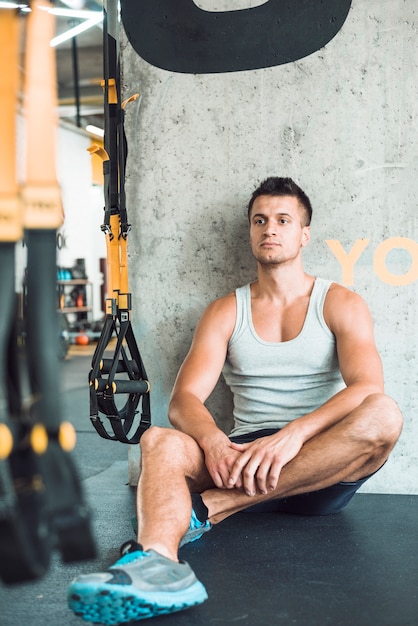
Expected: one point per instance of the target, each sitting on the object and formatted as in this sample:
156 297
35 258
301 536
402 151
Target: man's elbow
173 411
370 388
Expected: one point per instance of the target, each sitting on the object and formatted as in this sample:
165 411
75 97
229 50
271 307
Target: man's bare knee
160 439
163 446
374 428
381 420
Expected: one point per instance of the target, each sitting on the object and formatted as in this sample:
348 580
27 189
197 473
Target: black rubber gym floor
358 568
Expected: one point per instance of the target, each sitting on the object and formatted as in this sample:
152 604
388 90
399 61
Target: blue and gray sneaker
139 585
195 531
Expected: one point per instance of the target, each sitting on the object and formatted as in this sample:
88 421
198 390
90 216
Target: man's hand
260 462
220 458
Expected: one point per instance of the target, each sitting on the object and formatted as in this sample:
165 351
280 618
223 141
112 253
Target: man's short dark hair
276 186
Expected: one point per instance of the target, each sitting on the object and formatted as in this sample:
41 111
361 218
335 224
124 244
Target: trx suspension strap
124 373
41 504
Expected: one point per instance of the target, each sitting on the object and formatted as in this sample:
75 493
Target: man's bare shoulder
343 305
338 293
222 312
223 304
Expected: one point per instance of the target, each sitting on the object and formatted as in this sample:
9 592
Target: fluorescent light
94 130
13 5
73 32
84 15
74 4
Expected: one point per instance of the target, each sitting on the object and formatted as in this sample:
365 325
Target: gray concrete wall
342 122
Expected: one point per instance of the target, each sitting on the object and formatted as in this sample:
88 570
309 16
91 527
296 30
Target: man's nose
270 227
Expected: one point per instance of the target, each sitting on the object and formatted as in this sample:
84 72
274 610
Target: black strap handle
105 384
125 372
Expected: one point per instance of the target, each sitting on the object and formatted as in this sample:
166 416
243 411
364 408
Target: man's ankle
161 549
199 507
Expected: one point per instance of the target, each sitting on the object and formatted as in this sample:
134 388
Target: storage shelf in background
74 281
75 309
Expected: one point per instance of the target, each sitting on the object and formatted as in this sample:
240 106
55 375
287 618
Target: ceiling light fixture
74 4
95 130
79 14
81 28
92 18
14 5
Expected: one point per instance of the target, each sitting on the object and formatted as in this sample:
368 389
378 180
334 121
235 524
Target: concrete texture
342 122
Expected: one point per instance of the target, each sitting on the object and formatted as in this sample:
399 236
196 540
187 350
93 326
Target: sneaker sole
192 535
113 604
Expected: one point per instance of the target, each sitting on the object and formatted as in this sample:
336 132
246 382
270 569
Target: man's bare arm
348 317
196 380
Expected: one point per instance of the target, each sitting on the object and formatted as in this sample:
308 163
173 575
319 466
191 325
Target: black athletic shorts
321 502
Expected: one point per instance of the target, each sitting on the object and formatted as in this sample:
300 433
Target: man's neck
282 283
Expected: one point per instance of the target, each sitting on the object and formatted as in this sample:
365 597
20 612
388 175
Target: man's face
276 231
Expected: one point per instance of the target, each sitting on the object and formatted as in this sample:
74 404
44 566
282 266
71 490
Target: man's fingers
237 468
254 470
261 477
220 475
273 476
217 479
256 474
249 476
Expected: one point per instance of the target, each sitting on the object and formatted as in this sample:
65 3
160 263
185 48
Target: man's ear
306 235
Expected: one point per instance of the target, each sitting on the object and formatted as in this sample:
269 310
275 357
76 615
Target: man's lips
269 244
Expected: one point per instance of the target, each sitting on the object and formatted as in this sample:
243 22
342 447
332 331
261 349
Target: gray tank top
274 383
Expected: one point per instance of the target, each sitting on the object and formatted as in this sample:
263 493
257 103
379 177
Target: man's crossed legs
149 580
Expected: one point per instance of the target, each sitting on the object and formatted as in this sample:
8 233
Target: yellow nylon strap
41 194
117 269
116 260
124 296
11 228
123 245
113 266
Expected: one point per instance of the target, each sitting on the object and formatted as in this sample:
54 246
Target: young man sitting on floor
311 420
